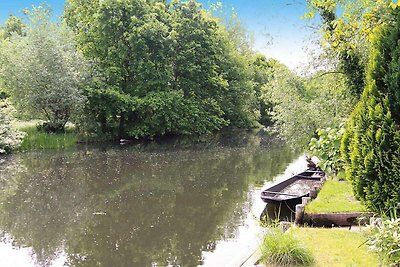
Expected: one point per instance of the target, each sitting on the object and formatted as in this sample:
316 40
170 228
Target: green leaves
43 70
13 25
327 148
172 113
10 138
174 60
384 239
301 106
347 30
371 144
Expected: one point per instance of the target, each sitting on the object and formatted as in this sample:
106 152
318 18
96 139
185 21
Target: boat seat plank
279 193
313 177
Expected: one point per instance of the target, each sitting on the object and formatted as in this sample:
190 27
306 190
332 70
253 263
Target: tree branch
327 73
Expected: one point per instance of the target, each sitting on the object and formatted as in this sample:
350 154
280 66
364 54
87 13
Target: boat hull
292 190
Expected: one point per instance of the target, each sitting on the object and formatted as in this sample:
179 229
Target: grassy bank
337 247
318 247
35 139
335 196
285 249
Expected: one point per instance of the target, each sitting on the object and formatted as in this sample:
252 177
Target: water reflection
129 206
277 212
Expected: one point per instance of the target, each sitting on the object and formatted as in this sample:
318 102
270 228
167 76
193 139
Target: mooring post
298 219
284 226
314 191
305 200
318 188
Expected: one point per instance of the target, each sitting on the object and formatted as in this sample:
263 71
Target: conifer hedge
370 146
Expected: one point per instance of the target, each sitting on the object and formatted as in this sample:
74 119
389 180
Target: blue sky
276 20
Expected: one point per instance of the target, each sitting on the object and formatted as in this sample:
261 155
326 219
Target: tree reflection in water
129 206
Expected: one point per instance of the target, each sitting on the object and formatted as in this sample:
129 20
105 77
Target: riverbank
336 247
335 204
334 197
38 140
35 139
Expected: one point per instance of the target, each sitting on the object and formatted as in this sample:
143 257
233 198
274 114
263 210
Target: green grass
284 249
336 247
335 196
35 139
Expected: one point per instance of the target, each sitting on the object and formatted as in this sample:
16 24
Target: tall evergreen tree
371 143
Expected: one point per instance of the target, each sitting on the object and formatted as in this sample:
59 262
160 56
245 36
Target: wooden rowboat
293 189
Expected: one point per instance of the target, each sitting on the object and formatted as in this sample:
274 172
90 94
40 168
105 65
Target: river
136 205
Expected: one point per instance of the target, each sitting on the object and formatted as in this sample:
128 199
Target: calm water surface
135 206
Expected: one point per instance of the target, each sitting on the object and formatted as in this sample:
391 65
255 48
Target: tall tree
208 64
263 71
347 28
302 105
13 25
43 70
371 143
131 45
164 68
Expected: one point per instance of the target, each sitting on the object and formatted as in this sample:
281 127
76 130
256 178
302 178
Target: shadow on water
132 205
281 212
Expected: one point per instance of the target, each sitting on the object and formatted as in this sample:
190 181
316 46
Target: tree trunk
121 129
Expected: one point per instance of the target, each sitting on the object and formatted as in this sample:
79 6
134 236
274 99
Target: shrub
10 138
3 94
50 127
384 239
371 143
284 249
327 148
301 106
43 71
172 113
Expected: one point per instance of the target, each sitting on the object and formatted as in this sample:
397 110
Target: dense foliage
371 143
164 68
384 239
263 71
43 71
157 69
300 106
10 138
327 148
347 28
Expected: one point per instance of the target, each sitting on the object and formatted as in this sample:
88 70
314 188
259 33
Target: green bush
284 249
370 146
327 148
10 138
384 239
300 106
172 113
45 83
